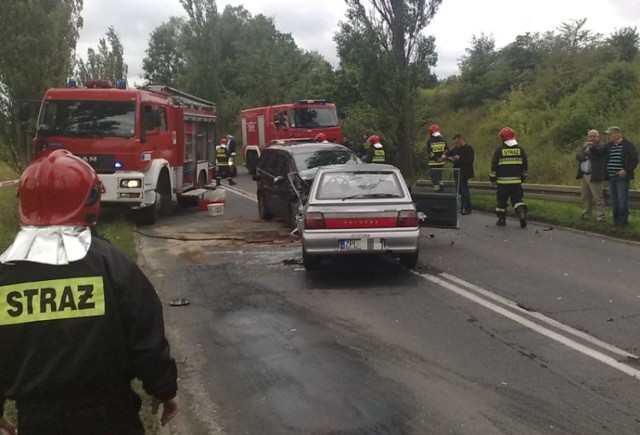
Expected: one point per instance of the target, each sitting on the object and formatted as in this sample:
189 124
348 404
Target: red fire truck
151 147
303 119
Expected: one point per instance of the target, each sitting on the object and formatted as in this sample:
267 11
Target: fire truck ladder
182 98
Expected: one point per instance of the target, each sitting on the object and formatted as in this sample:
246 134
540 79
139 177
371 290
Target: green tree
37 39
241 61
164 63
202 48
393 57
106 63
625 42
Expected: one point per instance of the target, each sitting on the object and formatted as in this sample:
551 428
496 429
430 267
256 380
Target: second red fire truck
303 119
151 147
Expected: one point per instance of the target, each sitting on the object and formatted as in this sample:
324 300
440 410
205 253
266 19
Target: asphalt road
498 331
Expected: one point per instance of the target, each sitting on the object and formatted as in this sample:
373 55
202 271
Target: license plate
349 245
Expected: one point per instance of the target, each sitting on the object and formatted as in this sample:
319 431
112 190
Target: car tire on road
263 210
293 214
410 261
310 262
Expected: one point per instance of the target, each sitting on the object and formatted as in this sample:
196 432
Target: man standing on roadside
621 162
79 320
462 156
592 158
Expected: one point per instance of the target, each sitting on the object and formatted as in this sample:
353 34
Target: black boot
502 219
217 181
521 210
231 182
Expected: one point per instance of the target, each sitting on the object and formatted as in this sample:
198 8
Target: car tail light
407 218
314 221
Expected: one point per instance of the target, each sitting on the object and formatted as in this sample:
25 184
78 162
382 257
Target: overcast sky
313 23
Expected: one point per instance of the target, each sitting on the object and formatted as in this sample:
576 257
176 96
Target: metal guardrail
8 183
549 192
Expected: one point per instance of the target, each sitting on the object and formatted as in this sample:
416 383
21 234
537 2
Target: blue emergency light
121 84
118 165
72 83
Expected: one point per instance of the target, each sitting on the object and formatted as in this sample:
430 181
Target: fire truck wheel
263 211
164 191
149 215
252 159
202 180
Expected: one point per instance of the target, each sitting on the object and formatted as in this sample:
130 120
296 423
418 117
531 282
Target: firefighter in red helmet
508 170
95 322
436 149
375 153
224 160
321 138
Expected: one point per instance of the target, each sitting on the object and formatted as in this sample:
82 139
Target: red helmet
373 139
59 189
320 137
433 128
223 141
506 134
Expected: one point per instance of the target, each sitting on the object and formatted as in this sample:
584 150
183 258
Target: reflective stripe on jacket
509 165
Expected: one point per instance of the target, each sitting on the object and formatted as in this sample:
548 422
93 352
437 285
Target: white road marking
473 294
240 192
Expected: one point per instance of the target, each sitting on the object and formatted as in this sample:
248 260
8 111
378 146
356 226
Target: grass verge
565 214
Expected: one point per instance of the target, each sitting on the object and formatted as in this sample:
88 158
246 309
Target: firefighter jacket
81 331
366 146
375 154
436 146
222 156
509 164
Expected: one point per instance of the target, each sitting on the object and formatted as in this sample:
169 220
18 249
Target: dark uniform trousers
505 192
116 414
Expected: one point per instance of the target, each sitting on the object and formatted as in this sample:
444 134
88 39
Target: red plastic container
204 203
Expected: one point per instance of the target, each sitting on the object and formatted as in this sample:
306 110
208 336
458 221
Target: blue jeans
619 196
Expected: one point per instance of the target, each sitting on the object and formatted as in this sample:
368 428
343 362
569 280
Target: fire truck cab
304 119
152 147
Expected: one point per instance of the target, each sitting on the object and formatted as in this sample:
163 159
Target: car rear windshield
307 161
359 185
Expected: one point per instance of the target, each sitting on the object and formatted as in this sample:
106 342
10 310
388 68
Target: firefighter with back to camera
79 320
231 144
375 153
224 161
321 138
508 170
436 148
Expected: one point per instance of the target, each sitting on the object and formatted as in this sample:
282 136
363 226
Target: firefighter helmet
59 189
433 128
506 134
223 141
373 139
320 137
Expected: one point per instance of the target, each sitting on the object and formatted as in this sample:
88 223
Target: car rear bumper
321 242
